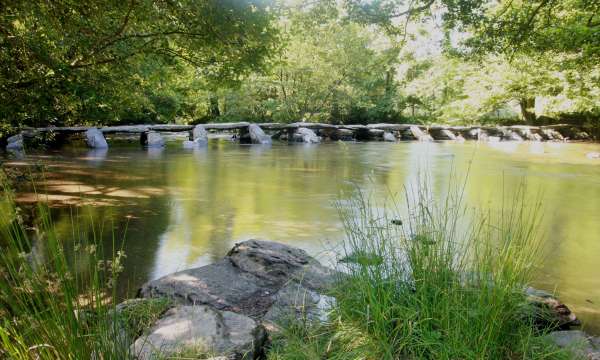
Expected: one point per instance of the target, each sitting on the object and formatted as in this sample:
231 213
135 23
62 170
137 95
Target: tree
61 59
329 70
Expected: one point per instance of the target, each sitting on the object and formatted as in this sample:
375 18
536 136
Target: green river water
185 208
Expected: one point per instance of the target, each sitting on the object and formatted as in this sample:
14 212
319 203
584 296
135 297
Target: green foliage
330 70
568 29
104 61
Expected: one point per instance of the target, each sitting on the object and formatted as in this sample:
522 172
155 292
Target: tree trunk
528 109
214 106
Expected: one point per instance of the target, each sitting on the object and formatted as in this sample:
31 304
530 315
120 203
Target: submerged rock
201 330
257 135
95 139
306 135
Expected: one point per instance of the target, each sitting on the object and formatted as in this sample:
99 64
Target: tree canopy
62 59
356 61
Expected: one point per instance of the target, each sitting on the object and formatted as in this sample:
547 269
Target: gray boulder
552 135
510 135
95 139
199 133
581 135
15 143
472 134
199 331
246 281
257 135
306 135
198 138
477 134
447 134
525 132
442 133
154 140
414 132
388 136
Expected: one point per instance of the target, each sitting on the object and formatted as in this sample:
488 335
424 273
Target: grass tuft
437 281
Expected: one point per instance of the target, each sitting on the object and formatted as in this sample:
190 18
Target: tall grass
53 306
434 281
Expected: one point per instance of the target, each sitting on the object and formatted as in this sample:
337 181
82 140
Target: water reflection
95 157
185 208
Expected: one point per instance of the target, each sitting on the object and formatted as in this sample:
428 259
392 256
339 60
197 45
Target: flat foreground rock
247 281
201 330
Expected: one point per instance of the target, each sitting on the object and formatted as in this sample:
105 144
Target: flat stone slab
246 281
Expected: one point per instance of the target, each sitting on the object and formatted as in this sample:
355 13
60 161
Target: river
186 208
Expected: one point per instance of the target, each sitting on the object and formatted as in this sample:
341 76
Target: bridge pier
152 139
95 139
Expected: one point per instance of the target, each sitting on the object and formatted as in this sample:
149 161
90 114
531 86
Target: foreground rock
248 280
228 308
225 309
201 330
95 139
